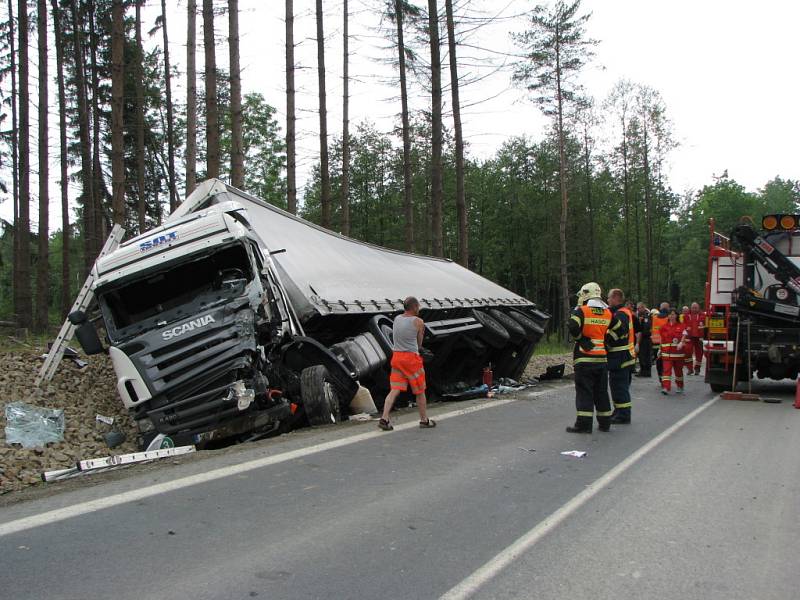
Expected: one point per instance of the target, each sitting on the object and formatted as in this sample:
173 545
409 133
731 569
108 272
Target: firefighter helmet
588 291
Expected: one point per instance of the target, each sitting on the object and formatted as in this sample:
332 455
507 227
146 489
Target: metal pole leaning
82 302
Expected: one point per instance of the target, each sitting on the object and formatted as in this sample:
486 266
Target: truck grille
189 375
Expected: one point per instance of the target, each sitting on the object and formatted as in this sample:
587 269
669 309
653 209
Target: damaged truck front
236 319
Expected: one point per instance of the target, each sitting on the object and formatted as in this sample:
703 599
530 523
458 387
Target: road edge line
473 582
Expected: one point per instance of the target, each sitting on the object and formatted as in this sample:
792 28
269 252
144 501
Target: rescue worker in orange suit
694 321
588 325
659 319
620 343
644 345
673 337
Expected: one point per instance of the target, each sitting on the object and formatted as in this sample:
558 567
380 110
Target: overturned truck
237 319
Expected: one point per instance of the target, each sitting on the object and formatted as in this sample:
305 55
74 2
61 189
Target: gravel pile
81 393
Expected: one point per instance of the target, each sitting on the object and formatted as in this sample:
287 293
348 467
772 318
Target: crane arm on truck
778 265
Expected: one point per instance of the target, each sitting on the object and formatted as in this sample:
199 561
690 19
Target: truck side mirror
86 333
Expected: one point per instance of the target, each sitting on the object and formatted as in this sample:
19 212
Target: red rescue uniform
672 359
694 323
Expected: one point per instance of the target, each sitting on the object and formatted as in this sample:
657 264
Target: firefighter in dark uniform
620 343
588 325
643 342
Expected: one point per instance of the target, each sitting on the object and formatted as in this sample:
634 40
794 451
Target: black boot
604 423
575 429
621 416
582 425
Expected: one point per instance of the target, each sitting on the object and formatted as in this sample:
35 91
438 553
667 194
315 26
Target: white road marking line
471 584
68 512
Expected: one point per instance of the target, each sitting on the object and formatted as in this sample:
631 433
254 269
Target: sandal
427 424
385 425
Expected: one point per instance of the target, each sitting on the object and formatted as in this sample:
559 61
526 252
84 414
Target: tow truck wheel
318 393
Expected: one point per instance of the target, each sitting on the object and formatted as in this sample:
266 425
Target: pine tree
345 125
237 154
43 261
212 115
66 233
437 192
22 227
191 97
117 108
141 205
461 200
555 51
291 159
325 191
173 191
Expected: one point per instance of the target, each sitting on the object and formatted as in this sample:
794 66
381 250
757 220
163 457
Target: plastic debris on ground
104 419
527 449
575 453
361 417
480 391
32 426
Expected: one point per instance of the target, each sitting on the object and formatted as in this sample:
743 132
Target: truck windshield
176 292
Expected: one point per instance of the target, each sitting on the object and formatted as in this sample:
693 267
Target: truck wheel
492 332
515 331
533 331
319 397
381 327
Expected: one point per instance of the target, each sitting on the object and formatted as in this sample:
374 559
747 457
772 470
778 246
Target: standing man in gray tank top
407 368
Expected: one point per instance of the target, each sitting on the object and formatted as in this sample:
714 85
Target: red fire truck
753 302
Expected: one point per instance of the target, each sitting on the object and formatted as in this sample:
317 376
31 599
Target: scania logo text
187 327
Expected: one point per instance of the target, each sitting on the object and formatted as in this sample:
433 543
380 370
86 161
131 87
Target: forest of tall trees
94 84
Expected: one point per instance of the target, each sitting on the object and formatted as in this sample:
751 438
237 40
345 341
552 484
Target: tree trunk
87 179
23 224
345 126
99 187
588 176
627 209
437 191
291 160
117 108
562 180
325 197
237 153
43 260
141 206
408 201
461 200
14 155
173 191
212 117
648 220
66 296
191 97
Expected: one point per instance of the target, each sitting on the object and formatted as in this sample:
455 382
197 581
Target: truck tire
533 331
515 331
319 397
492 332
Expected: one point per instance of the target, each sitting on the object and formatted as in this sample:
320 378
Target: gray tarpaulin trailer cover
329 273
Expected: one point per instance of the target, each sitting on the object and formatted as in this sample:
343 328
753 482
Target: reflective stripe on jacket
622 343
590 347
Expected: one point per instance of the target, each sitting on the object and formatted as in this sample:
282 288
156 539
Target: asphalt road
683 503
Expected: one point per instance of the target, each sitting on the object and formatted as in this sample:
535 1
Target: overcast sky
726 69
